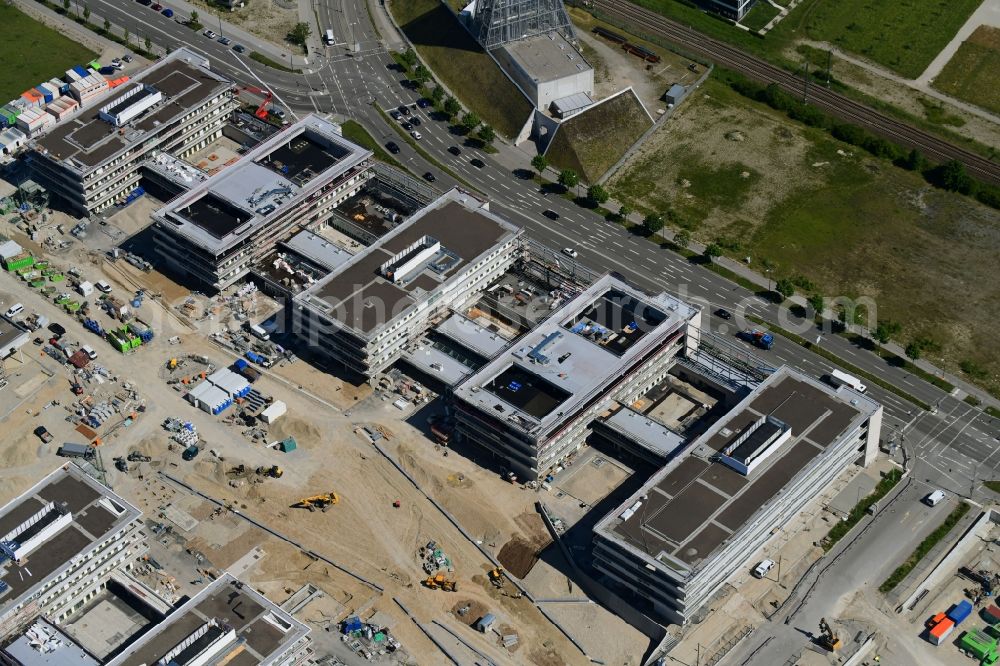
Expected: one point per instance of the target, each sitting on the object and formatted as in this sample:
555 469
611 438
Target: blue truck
757 337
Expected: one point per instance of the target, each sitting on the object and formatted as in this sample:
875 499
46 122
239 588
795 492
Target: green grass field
902 35
971 73
464 67
759 16
590 143
810 206
33 53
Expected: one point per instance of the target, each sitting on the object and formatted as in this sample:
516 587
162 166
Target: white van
934 498
838 378
14 310
762 569
259 332
103 287
328 37
89 351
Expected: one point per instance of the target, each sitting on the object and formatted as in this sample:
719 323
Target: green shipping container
41 265
72 306
57 277
19 262
288 445
37 283
116 342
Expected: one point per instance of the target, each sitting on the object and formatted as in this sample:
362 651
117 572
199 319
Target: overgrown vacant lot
458 60
32 53
590 143
814 207
971 73
903 35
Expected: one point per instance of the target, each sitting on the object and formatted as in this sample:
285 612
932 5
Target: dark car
145 3
395 114
239 48
43 434
551 214
407 126
723 314
423 102
156 7
478 163
392 147
57 329
415 121
429 177
169 13
39 341
455 150
405 110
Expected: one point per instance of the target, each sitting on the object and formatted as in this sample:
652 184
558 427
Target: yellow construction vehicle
323 501
273 471
439 581
496 577
827 638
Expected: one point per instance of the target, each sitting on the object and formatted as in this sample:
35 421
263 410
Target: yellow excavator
322 502
496 577
440 582
828 639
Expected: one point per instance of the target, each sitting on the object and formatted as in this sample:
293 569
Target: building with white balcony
217 230
91 159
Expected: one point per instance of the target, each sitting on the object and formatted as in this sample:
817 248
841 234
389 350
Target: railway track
838 105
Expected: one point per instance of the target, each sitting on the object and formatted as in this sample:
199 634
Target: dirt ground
271 20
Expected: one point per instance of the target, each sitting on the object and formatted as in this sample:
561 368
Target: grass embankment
462 65
971 73
32 53
353 131
274 64
924 547
592 142
759 16
831 215
841 529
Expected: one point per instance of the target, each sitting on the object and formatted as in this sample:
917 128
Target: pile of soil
518 556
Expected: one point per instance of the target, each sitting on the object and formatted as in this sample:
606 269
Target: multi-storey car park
214 232
362 314
92 160
533 404
60 541
700 519
225 623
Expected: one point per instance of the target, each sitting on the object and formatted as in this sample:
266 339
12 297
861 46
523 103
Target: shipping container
17 262
960 611
70 450
46 94
939 632
273 412
194 395
991 614
81 73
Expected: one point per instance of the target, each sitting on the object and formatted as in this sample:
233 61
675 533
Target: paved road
955 444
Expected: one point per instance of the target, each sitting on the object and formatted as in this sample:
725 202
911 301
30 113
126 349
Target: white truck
838 378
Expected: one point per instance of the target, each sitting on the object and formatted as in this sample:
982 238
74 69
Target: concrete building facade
711 509
362 315
547 68
92 159
533 404
217 230
60 542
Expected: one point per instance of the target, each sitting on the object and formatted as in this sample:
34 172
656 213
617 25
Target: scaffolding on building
499 22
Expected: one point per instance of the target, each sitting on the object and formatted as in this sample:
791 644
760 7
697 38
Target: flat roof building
215 231
532 404
364 313
13 336
59 542
176 105
225 623
547 68
703 516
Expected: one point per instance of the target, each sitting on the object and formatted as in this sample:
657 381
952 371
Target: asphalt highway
954 444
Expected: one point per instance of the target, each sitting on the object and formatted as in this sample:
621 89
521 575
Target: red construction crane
261 111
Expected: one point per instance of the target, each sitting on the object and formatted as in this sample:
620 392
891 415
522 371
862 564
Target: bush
653 223
841 529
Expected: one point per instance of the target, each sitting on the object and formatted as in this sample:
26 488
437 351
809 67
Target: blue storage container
960 611
46 95
239 365
81 71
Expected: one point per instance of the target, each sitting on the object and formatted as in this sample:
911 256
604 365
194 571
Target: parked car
423 102
455 150
407 126
57 329
239 48
429 177
405 110
168 12
762 569
392 147
225 41
395 114
208 33
145 3
156 7
416 135
478 163
415 121
127 57
43 434
551 214
934 498
569 252
722 313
